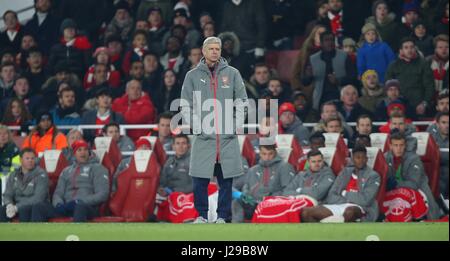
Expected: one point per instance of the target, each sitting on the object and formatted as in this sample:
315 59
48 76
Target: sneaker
220 221
200 220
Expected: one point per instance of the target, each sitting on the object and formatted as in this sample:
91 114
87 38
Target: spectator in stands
303 107
415 76
139 46
392 89
352 196
259 80
441 20
336 17
157 30
153 72
166 7
175 173
66 112
43 26
12 36
7 55
72 48
440 135
439 62
406 171
45 136
329 109
310 47
315 181
322 8
231 51
372 92
247 18
169 90
101 56
136 107
205 18
101 115
17 114
209 30
21 91
328 70
349 46
8 150
122 23
399 123
115 48
363 127
385 23
26 43
181 17
81 197
124 143
410 16
72 136
441 106
316 141
7 77
423 38
164 133
272 175
173 59
194 57
374 54
26 193
334 125
279 90
291 124
35 72
349 105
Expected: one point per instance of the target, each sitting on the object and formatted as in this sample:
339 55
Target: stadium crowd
113 63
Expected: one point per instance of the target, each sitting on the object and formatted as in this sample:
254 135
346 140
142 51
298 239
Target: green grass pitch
225 232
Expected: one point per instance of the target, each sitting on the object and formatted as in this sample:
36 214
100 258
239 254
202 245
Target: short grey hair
212 40
346 87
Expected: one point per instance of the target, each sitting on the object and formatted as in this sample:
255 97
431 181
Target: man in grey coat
315 181
26 193
352 196
215 151
82 187
406 171
440 135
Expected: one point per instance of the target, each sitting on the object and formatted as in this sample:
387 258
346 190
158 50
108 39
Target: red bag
281 209
404 205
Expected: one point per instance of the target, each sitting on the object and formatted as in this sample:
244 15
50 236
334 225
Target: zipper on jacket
214 84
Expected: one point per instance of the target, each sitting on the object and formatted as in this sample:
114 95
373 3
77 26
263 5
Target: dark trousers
39 212
201 195
80 213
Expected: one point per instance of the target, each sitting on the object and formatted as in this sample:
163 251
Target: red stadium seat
106 162
334 159
112 149
335 140
288 156
134 199
429 153
289 141
53 162
378 163
247 150
380 140
158 149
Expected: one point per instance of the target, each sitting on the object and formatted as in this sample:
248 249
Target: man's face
267 155
228 46
408 49
360 160
208 30
212 52
442 105
8 73
154 18
262 75
103 58
43 5
27 42
323 10
315 163
28 161
420 31
334 127
275 87
398 123
104 101
150 63
139 41
134 90
180 146
372 81
328 111
35 60
441 50
10 21
74 136
62 76
164 127
287 118
179 33
122 15
100 74
398 147
335 5
393 93
364 126
82 155
21 87
173 45
349 97
195 56
69 33
442 125
137 70
67 99
411 17
113 132
300 103
381 12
